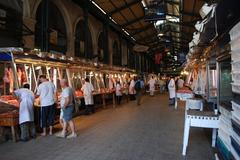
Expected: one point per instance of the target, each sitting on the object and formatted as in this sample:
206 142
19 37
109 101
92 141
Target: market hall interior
120 79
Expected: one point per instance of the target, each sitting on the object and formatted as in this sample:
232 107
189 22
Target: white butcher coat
26 98
151 83
87 89
131 87
172 88
118 90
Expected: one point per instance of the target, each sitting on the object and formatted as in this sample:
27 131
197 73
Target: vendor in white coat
118 92
26 114
172 91
88 89
151 84
132 91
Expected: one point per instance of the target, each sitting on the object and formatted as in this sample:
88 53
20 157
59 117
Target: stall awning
5 57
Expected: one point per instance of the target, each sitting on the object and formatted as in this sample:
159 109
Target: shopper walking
172 91
151 84
132 90
118 92
26 113
88 89
48 100
162 85
139 85
67 108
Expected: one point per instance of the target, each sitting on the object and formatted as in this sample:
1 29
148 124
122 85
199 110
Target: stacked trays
235 120
235 136
224 133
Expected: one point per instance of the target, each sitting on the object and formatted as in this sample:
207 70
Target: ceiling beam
123 7
142 30
132 22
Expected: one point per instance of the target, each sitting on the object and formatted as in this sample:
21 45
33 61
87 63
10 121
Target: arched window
57 29
116 54
80 41
100 47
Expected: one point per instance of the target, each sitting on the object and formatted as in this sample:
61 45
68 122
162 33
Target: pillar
86 32
29 39
44 26
120 50
70 45
106 43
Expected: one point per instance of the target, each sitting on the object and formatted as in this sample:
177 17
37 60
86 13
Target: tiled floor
152 131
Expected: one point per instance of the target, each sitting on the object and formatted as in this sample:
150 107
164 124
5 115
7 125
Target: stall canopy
5 57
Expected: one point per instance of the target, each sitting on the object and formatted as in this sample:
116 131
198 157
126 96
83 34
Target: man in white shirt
132 91
26 113
67 106
88 89
118 92
151 84
48 96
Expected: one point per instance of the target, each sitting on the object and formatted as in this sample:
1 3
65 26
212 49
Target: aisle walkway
152 131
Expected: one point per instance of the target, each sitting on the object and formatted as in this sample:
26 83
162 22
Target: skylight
98 7
125 32
143 3
172 18
160 22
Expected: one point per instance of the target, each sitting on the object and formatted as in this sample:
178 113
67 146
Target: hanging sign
158 58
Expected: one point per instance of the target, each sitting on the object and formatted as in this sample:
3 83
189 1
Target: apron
88 99
172 89
152 85
131 88
87 91
26 111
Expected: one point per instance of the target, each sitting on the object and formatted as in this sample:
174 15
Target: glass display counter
211 91
224 83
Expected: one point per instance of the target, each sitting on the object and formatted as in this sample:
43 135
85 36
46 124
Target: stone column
29 39
86 33
70 45
106 43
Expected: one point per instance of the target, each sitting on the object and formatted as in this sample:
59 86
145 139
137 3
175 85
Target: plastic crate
235 145
235 55
236 117
235 43
224 112
236 88
235 31
235 106
223 150
234 154
225 137
236 77
235 66
225 121
236 127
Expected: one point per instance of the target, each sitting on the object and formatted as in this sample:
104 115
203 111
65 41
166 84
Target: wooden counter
9 117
